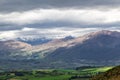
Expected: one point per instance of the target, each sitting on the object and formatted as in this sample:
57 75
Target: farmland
81 73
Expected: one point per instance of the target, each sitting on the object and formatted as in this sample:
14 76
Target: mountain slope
102 47
14 49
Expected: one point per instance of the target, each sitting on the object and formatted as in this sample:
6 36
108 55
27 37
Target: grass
52 74
99 69
48 77
61 77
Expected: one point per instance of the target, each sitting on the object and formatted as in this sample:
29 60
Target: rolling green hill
83 73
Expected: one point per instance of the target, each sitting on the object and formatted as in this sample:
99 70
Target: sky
57 18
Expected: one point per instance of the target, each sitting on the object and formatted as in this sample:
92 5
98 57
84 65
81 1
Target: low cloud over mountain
57 14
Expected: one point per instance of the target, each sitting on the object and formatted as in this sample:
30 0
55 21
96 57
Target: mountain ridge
96 48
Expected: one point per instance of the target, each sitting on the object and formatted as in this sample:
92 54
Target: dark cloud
21 5
7 27
24 5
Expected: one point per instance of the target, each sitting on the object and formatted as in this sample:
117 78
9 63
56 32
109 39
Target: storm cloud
23 5
43 18
77 16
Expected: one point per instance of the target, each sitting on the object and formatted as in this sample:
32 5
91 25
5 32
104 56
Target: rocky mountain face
102 46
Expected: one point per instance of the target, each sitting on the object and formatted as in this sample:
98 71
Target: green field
52 74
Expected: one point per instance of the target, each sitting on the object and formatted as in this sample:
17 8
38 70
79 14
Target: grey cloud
22 5
67 25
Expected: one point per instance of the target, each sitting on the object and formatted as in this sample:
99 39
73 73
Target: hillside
113 74
13 49
102 47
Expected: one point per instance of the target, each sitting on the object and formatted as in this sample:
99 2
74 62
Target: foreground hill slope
113 74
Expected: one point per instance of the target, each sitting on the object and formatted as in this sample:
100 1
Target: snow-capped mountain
34 41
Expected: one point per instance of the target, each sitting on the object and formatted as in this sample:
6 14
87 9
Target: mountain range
96 48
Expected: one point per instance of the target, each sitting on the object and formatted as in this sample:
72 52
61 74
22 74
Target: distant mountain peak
106 32
14 45
103 32
68 38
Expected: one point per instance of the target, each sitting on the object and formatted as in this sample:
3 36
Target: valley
68 58
80 73
59 39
